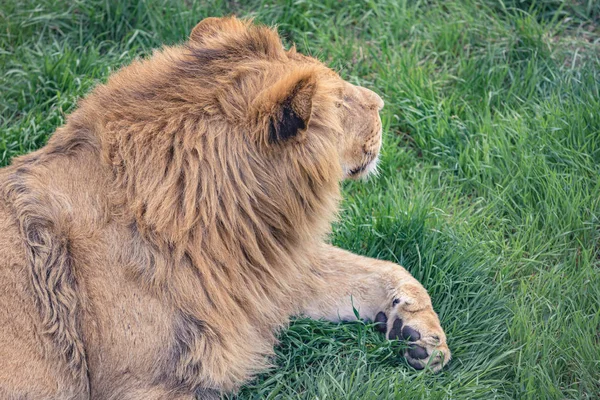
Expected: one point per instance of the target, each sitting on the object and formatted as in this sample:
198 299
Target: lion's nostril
378 102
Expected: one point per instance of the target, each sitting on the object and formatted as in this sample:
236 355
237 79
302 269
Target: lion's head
292 100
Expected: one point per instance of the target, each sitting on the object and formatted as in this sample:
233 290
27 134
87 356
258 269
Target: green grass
489 190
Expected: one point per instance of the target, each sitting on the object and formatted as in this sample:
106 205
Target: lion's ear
286 107
212 26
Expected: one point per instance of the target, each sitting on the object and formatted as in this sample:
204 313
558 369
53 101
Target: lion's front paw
421 329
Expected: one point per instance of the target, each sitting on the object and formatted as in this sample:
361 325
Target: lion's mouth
358 170
363 169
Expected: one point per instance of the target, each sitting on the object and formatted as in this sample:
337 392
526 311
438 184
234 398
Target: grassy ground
489 190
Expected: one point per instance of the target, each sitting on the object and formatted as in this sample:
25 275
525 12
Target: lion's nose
373 97
378 101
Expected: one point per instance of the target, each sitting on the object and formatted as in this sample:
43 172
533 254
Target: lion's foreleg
383 292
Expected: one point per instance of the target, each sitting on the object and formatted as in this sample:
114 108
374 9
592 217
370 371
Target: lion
165 234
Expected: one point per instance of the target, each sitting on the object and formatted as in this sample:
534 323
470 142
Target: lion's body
151 251
129 326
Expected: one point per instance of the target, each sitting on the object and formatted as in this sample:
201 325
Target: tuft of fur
50 269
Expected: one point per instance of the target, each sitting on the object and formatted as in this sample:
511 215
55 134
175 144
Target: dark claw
395 332
418 352
381 321
410 334
415 364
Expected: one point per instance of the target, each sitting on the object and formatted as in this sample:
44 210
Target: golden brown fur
166 232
